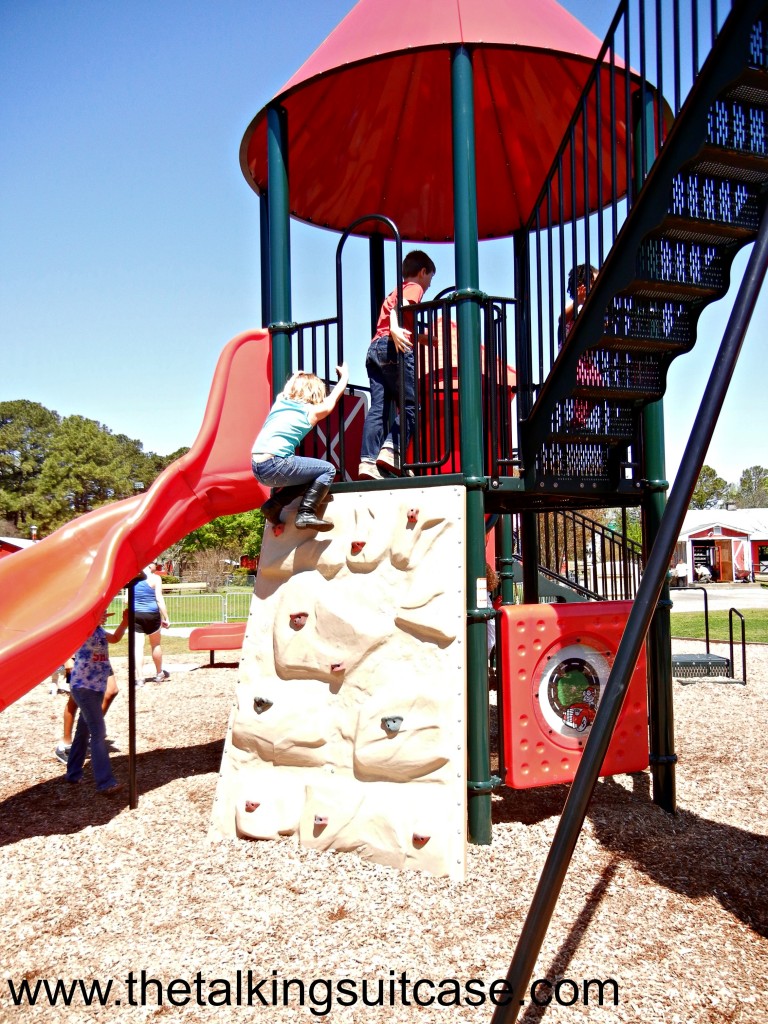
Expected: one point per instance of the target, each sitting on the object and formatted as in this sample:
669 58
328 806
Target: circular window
568 685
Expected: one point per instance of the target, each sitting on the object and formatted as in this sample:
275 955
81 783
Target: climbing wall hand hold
298 620
392 723
251 805
357 546
278 528
413 515
420 840
261 704
321 820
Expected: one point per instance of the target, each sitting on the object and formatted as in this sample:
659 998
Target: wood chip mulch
674 909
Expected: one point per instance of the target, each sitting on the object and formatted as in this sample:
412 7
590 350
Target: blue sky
129 238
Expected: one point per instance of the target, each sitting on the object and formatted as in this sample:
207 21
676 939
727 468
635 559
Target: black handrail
623 114
731 613
706 613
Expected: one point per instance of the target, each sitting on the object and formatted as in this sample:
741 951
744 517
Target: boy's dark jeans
384 377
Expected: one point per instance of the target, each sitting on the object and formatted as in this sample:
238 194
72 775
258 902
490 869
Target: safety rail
731 613
317 346
196 609
581 418
604 564
563 234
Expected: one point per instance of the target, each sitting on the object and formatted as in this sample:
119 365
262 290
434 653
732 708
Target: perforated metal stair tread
735 164
750 87
702 230
642 346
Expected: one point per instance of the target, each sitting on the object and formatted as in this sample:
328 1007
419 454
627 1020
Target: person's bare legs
157 652
70 711
109 694
61 750
138 653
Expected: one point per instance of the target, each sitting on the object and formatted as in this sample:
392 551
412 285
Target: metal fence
198 609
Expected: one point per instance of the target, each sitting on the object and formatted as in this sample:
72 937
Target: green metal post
279 246
377 277
660 702
529 552
266 316
505 537
470 397
661 721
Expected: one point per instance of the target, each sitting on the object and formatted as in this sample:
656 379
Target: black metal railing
653 48
435 447
597 560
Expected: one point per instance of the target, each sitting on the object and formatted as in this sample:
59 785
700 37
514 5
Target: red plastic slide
53 594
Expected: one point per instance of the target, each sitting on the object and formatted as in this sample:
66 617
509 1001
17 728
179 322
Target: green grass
691 624
171 645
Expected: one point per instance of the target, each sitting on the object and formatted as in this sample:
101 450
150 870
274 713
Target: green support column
661 718
470 397
505 539
266 317
660 702
377 277
529 551
279 228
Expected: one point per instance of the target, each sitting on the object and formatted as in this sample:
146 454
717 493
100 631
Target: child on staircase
301 404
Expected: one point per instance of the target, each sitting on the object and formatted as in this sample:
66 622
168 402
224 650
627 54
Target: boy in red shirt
383 373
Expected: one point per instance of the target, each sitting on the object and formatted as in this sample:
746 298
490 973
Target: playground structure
567 147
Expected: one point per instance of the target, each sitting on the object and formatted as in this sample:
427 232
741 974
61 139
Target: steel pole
470 398
506 542
279 240
133 791
661 720
572 819
266 316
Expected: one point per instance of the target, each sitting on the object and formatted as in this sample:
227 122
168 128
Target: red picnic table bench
217 636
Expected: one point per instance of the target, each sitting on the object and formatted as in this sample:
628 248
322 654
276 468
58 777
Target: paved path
722 596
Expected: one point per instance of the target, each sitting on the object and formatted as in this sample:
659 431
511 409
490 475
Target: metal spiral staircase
703 196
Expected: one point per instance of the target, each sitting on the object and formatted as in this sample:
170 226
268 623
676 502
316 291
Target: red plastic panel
556 661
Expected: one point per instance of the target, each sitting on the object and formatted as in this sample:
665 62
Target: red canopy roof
369 114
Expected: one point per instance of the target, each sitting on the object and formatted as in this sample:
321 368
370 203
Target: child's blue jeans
294 469
384 377
90 723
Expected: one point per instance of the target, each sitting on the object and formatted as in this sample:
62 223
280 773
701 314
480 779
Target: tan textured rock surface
349 632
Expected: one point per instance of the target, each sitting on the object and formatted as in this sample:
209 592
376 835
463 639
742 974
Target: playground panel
349 724
555 663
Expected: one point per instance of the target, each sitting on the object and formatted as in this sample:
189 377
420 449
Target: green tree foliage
53 469
26 432
236 535
710 489
752 491
86 466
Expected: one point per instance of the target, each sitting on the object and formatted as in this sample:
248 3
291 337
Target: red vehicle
579 716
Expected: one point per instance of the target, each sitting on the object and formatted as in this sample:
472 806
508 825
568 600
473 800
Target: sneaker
162 676
368 471
137 683
62 752
112 790
389 461
63 687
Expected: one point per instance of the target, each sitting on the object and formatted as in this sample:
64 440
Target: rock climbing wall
348 728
